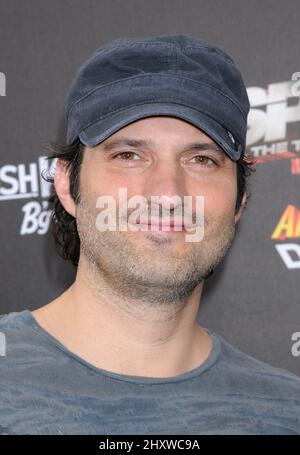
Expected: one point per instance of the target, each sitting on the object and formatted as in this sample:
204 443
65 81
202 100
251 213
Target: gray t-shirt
47 389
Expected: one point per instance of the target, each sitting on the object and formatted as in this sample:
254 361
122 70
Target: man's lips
160 224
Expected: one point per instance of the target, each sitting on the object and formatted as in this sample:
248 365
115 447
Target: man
121 351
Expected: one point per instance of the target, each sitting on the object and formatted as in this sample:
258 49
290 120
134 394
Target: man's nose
166 182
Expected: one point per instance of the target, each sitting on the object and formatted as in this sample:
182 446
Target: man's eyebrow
200 146
126 141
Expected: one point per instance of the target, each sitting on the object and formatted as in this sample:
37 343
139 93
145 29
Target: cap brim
103 128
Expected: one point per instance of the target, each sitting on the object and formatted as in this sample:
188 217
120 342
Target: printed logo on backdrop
24 181
2 84
274 134
296 346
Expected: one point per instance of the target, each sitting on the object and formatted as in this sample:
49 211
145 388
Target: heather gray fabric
46 389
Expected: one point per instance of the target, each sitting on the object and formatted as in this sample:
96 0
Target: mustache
164 217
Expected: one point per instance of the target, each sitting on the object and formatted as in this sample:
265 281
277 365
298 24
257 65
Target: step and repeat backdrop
253 297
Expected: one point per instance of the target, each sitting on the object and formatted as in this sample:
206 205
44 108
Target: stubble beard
152 272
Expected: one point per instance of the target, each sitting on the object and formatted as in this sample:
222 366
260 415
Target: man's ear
62 187
242 206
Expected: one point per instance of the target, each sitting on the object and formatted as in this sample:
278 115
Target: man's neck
112 335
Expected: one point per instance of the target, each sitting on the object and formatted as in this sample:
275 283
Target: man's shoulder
18 339
12 320
256 375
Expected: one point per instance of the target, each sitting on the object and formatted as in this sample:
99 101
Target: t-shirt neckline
208 362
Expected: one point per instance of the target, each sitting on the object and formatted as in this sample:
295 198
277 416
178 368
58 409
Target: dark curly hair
63 225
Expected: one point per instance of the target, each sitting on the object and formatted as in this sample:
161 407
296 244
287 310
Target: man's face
157 267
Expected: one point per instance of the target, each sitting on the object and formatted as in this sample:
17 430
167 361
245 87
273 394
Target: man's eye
126 156
202 159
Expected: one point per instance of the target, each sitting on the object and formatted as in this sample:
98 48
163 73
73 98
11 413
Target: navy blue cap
129 79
